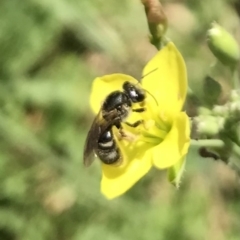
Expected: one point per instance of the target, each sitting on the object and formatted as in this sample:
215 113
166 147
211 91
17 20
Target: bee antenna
149 73
145 89
151 96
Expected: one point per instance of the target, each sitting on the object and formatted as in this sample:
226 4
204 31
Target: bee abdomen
109 156
108 151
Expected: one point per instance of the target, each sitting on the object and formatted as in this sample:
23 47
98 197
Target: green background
50 51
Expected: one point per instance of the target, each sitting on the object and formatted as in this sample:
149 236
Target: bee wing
99 126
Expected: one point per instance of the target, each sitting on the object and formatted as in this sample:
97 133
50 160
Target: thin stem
212 143
233 161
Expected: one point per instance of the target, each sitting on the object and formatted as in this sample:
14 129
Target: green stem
212 143
234 160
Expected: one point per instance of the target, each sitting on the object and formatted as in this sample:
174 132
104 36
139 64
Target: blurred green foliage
50 51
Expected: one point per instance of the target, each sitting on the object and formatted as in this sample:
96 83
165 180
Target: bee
115 109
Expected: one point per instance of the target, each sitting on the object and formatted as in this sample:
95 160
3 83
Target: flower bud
204 111
223 45
207 125
234 95
234 107
219 110
234 104
157 20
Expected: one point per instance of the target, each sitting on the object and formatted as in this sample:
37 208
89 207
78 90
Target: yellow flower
163 139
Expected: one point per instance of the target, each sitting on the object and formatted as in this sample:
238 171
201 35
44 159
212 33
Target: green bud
220 110
212 90
234 95
223 45
234 104
207 125
204 111
220 122
234 107
157 21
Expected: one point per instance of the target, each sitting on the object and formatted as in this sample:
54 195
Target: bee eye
134 93
140 97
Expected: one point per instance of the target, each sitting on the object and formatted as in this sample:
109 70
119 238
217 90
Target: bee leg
121 134
142 104
126 135
139 110
137 123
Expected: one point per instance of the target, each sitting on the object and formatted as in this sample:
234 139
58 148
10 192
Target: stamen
162 122
154 132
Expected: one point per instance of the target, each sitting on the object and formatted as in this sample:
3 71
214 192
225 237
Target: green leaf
175 173
211 90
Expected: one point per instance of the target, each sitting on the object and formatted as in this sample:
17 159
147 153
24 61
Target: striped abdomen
108 150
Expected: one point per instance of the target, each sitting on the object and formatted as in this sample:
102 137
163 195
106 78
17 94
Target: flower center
156 128
155 124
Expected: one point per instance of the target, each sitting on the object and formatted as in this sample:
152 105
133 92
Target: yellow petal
117 180
103 86
175 145
165 77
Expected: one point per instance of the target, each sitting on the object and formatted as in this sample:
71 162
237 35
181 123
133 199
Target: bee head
134 93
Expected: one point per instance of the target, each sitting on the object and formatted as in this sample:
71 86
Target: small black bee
115 109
